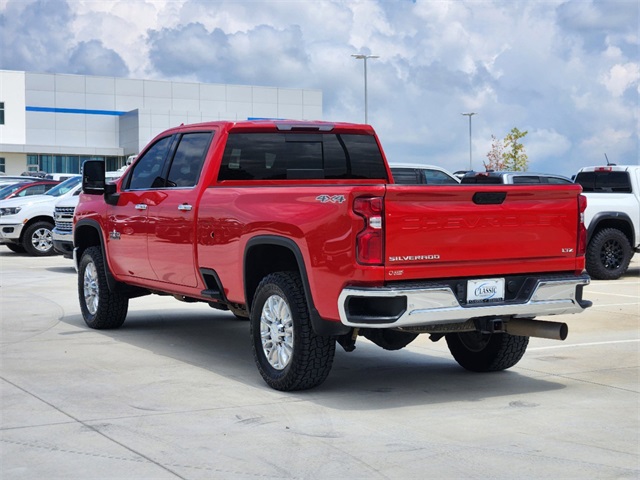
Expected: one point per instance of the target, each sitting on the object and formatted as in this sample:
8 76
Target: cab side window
147 172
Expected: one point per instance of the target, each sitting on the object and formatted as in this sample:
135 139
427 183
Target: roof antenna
608 162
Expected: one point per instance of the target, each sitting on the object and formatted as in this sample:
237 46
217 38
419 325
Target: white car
62 233
416 174
26 222
612 218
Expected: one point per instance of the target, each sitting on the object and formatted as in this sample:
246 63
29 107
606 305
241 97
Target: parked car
515 178
26 222
62 233
415 174
61 177
9 179
612 218
25 189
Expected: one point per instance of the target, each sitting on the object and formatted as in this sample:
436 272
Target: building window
32 163
68 163
2 114
2 165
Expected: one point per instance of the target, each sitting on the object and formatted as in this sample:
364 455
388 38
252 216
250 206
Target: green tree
515 156
508 154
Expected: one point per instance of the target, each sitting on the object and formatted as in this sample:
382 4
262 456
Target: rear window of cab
295 156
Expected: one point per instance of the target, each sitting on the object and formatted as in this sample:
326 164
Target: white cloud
566 70
620 77
542 144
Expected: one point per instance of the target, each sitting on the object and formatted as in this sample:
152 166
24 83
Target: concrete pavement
174 394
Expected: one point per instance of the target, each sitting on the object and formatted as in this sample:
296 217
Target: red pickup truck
299 227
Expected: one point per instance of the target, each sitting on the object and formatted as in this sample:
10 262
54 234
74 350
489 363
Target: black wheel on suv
101 308
37 239
608 254
486 352
288 353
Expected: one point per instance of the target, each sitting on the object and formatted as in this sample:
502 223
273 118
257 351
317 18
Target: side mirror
93 177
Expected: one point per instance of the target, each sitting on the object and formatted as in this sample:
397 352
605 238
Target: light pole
361 56
470 114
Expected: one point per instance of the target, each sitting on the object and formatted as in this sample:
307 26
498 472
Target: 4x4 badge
114 235
330 198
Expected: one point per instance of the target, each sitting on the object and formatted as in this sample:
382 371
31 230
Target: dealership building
54 122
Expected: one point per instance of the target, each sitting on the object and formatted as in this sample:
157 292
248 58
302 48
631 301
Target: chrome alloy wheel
91 290
276 332
42 240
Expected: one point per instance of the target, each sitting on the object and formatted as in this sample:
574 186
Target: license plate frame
485 290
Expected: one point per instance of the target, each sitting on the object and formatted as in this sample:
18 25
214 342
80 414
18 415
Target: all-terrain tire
288 353
486 352
37 239
608 254
101 308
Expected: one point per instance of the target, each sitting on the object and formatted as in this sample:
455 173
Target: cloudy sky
566 71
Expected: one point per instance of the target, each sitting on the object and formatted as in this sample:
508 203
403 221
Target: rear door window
406 176
528 179
436 177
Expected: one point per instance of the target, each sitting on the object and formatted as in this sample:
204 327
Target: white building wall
12 94
84 115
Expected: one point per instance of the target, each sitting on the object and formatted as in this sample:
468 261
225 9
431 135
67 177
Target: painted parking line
600 304
591 344
613 294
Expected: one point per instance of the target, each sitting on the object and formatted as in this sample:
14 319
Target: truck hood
68 201
30 200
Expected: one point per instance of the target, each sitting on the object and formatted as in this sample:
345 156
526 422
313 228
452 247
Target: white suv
62 233
26 222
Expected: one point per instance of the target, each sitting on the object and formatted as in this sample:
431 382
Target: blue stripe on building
114 113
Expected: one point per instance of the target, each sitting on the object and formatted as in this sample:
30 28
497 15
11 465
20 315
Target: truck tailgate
469 230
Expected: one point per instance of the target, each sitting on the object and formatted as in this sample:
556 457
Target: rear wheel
101 308
38 240
288 353
486 352
608 254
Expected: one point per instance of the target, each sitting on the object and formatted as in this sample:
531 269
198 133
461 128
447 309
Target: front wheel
486 352
288 353
38 239
101 308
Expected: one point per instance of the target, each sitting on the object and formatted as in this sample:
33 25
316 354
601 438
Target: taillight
370 240
582 231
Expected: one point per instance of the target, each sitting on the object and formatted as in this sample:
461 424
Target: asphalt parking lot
174 394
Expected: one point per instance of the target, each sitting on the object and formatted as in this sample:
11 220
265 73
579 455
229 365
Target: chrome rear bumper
389 307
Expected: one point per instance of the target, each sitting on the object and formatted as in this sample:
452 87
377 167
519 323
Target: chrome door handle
141 206
185 207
